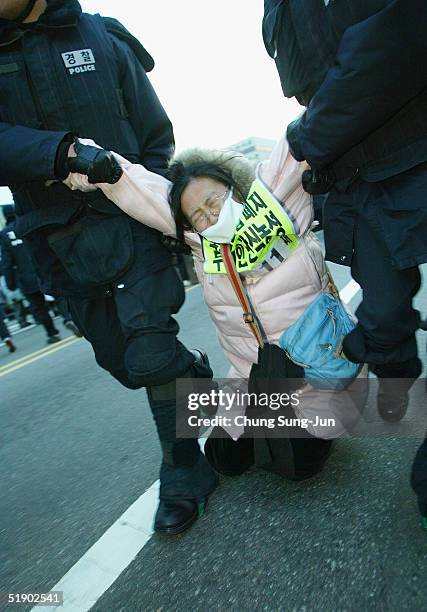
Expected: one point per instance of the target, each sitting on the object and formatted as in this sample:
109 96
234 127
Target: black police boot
174 517
186 478
10 345
184 494
395 380
53 338
201 360
73 328
392 403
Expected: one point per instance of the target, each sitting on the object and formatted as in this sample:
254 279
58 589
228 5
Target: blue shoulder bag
315 343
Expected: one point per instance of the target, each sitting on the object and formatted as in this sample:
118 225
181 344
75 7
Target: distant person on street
4 333
20 273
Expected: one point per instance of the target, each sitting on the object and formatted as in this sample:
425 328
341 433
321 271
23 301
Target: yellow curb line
54 349
45 349
32 357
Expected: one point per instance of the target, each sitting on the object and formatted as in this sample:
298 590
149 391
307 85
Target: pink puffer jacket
279 296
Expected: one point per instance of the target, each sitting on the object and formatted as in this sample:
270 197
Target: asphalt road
77 450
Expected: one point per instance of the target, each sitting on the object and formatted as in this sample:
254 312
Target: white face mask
224 229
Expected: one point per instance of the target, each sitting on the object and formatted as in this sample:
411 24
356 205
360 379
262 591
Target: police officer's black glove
316 182
292 135
175 246
99 165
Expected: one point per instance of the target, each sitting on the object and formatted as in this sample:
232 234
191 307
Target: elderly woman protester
212 198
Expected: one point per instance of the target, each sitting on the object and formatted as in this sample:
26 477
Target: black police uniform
356 65
77 74
19 272
359 67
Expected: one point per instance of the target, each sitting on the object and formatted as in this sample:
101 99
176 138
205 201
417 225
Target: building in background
255 149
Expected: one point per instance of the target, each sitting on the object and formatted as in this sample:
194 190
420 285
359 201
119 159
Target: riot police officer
19 273
356 67
66 74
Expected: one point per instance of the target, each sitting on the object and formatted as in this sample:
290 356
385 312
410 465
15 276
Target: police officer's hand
175 246
316 182
99 165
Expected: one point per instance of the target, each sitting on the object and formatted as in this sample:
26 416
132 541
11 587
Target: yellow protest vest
265 234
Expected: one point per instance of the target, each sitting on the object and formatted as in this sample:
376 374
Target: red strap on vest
241 293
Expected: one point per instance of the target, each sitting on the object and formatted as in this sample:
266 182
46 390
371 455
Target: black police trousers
134 337
40 311
385 334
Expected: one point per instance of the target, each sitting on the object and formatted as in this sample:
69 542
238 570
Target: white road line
349 291
102 564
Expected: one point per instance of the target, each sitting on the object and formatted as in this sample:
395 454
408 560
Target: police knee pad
123 378
121 375
148 367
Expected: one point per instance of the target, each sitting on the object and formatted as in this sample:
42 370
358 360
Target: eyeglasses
212 208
